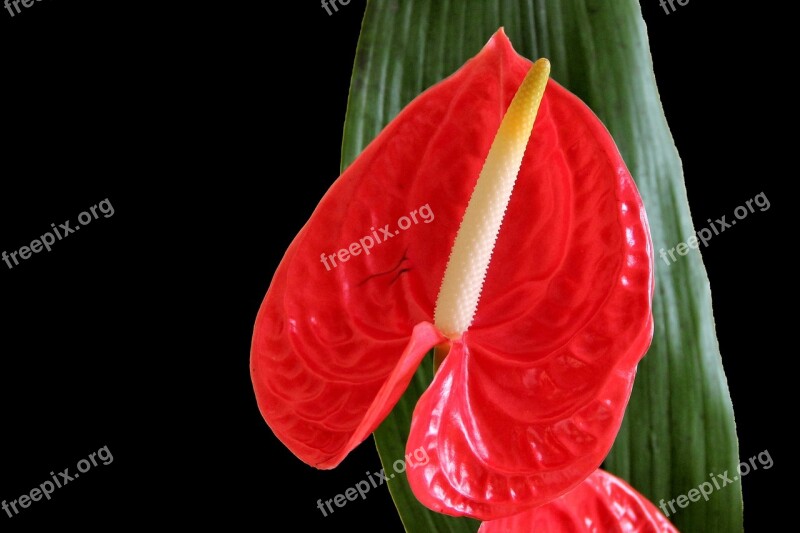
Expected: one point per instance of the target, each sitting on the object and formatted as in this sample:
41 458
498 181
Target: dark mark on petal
399 263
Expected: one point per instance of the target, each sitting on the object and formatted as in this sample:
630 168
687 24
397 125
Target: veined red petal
603 503
529 399
313 417
489 455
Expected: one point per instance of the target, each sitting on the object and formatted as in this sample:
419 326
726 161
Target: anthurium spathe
603 503
543 317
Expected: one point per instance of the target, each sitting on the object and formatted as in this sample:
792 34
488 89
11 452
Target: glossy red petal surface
320 419
603 503
530 398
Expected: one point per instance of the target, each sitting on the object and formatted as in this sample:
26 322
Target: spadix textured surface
601 504
530 398
477 234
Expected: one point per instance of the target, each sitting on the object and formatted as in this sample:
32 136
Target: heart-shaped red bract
530 398
601 504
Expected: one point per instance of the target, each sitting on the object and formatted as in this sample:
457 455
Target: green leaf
679 426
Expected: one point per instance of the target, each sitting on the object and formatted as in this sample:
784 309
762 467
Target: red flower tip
601 504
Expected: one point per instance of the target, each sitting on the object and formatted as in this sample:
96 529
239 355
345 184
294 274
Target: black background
214 129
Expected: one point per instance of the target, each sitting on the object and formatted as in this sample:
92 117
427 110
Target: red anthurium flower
541 303
601 504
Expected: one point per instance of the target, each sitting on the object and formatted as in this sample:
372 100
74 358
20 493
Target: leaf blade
599 51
